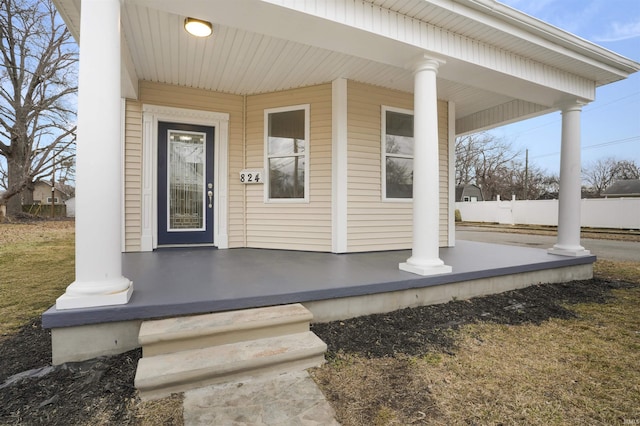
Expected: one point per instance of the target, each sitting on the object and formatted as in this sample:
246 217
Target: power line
589 108
598 145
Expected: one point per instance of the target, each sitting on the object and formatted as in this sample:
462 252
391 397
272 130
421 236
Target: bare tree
486 161
627 169
494 165
600 174
38 83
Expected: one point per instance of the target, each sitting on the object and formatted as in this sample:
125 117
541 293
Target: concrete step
161 375
201 331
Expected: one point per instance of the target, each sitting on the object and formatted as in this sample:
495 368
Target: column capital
571 105
426 62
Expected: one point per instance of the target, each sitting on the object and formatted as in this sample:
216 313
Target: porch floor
172 282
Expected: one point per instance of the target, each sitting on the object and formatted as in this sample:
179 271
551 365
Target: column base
67 301
569 251
425 270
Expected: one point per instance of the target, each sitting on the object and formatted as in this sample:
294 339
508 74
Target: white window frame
56 200
383 152
267 199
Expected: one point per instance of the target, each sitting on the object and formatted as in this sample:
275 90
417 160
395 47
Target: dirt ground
101 391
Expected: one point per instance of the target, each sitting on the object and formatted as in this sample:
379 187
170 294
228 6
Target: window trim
306 155
383 152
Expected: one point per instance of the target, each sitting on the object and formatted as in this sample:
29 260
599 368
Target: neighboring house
623 188
300 125
42 194
468 192
71 207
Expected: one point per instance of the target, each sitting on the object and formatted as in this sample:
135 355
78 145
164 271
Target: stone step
201 331
161 375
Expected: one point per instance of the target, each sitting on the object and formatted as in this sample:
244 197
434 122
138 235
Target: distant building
41 194
623 188
468 192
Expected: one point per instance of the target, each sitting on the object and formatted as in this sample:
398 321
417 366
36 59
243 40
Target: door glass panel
185 179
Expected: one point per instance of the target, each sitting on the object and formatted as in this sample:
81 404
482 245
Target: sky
611 123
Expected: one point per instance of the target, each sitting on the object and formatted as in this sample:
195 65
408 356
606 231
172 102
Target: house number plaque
251 176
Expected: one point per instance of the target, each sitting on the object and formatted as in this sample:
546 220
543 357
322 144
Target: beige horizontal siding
133 175
443 152
191 98
295 226
372 223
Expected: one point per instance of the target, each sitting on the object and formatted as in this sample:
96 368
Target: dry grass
581 371
36 264
379 391
594 233
617 270
166 411
578 371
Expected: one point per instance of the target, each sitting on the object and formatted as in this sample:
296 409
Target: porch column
425 258
99 279
569 198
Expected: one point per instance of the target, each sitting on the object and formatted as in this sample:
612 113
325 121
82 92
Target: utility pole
526 175
53 191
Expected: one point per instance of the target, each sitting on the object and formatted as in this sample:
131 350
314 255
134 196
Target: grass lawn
36 265
563 371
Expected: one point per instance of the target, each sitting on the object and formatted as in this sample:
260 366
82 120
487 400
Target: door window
186 180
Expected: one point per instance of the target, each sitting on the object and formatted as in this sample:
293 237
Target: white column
425 258
570 185
339 166
99 279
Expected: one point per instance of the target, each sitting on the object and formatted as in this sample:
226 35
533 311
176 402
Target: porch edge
378 303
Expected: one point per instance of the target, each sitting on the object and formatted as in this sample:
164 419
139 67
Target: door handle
210 195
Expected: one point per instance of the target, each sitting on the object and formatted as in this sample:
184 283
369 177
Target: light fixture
198 27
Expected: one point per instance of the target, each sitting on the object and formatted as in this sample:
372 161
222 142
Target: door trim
152 114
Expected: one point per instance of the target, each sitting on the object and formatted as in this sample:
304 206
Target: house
323 131
468 192
623 188
42 194
71 207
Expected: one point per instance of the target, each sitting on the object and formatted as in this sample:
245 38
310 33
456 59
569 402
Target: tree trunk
17 182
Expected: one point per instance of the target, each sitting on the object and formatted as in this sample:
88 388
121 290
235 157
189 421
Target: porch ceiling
249 54
239 61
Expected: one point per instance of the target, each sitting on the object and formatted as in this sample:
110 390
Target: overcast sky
610 124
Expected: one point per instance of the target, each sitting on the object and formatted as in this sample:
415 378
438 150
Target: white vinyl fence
622 213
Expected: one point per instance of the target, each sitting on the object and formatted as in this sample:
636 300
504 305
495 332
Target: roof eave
616 63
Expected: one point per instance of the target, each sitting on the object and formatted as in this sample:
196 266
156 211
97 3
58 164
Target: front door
185 184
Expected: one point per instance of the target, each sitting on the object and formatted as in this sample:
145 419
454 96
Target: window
287 153
397 162
56 201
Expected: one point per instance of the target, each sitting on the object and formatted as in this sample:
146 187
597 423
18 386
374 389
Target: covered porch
183 281
453 67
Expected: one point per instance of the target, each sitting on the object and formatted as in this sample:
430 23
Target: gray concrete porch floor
171 282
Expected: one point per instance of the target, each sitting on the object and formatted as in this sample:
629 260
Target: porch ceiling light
198 27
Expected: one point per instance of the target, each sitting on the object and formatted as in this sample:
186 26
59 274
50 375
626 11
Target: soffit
239 59
243 62
513 31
